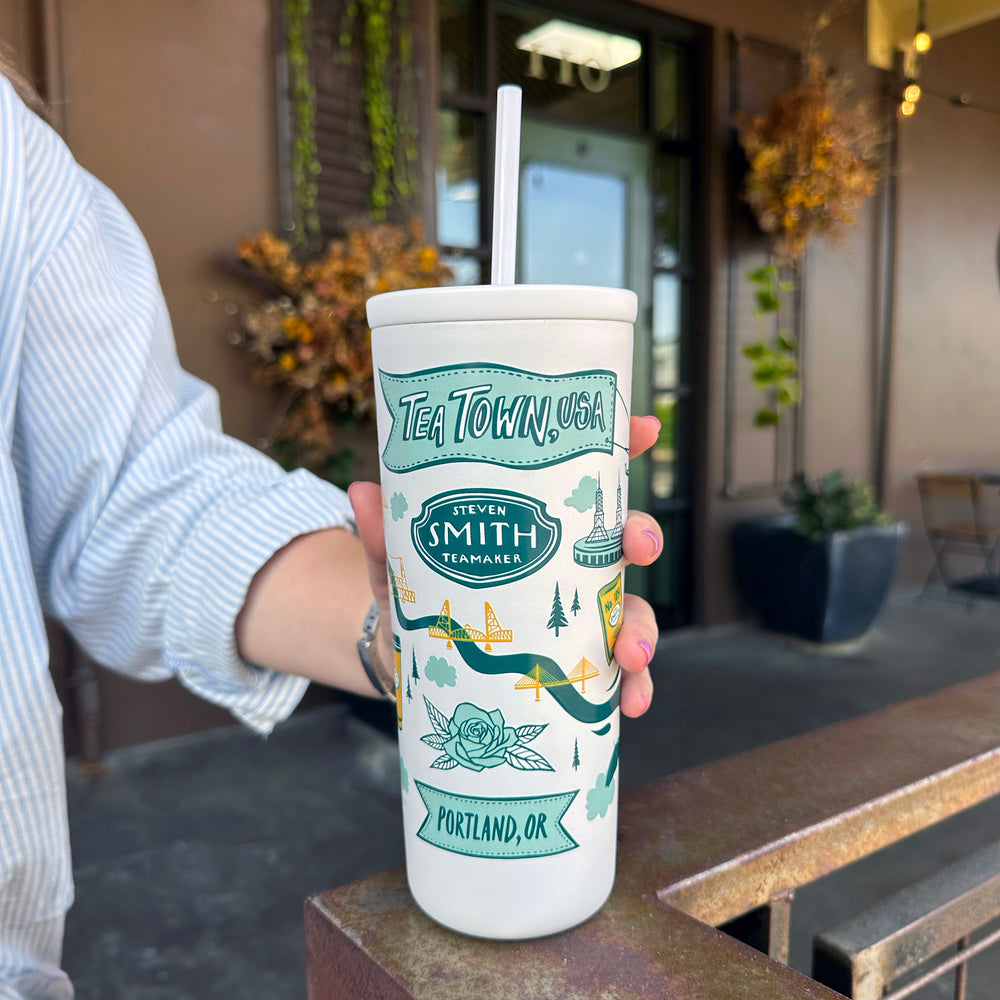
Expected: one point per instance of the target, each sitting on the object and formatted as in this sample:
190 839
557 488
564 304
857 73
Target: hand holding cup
642 542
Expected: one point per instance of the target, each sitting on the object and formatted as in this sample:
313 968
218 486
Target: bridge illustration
397 581
445 628
538 677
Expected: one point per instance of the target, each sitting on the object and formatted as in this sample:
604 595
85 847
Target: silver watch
382 680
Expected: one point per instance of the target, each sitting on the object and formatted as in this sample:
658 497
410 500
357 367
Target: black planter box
822 591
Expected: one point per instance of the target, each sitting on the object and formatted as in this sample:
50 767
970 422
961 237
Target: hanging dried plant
312 337
814 157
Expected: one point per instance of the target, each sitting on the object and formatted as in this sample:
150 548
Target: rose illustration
478 739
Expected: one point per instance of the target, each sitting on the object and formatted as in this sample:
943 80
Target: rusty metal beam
957 961
766 928
778 817
715 841
634 949
780 930
904 930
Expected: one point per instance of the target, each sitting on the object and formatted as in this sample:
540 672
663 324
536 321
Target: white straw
505 181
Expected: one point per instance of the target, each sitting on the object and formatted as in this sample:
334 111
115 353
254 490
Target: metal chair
952 507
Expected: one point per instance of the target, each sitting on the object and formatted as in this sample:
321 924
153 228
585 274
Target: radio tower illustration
600 548
598 534
619 528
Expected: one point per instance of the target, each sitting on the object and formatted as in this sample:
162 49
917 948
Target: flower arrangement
311 336
813 160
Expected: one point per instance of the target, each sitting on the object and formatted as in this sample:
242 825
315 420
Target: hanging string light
909 94
922 40
910 90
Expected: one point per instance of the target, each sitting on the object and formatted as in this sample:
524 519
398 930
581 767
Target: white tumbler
503 426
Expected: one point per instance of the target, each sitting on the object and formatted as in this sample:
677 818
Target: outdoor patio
193 857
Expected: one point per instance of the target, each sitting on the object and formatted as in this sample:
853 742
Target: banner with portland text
496 828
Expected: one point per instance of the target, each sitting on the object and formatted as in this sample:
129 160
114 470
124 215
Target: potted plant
820 572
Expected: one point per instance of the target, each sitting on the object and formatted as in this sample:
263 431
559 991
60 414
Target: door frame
685 514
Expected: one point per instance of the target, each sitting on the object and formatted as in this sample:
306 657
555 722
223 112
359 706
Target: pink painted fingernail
655 539
647 649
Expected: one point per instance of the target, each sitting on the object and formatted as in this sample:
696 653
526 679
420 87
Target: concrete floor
193 857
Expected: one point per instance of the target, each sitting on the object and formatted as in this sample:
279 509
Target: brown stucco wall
172 105
946 373
17 31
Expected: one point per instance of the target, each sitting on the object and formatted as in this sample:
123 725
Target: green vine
305 159
775 358
390 134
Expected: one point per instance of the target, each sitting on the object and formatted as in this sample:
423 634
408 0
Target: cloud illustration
398 506
582 498
441 672
599 797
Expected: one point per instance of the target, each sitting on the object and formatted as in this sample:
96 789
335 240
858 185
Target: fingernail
647 649
655 539
645 701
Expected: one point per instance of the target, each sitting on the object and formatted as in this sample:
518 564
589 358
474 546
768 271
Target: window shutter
342 145
341 134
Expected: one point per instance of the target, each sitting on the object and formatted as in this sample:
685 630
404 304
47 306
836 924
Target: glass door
609 188
584 218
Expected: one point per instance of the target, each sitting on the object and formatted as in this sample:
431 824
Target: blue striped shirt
124 512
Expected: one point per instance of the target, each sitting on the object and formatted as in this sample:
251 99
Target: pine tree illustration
575 606
557 619
415 673
576 754
409 695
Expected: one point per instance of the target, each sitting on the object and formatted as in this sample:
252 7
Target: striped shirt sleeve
146 524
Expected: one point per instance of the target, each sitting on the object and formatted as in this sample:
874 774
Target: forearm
304 611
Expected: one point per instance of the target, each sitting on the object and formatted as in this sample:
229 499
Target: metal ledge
715 841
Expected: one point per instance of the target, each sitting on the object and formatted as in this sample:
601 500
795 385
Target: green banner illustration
496 414
496 828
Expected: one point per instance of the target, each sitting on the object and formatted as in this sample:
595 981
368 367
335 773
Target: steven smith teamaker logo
485 538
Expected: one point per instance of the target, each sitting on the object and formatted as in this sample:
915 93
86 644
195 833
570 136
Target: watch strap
382 677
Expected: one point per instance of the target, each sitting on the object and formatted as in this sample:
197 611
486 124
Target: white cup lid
464 303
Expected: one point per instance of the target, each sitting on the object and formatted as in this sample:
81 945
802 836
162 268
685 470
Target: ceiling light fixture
584 46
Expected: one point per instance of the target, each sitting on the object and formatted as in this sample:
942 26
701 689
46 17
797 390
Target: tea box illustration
500 439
